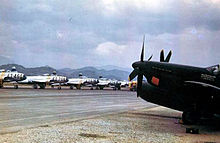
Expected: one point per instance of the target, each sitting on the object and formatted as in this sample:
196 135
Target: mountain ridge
88 71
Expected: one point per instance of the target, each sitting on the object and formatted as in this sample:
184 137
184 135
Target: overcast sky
77 33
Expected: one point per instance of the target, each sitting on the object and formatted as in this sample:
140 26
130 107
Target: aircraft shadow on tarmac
207 126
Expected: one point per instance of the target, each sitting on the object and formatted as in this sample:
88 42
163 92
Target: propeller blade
142 52
133 74
139 84
150 58
162 56
168 57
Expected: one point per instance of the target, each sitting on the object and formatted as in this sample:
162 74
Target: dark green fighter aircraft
193 90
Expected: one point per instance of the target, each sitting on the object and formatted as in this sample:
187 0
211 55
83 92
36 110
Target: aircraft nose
136 64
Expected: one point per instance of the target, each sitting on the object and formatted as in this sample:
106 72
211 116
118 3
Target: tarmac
21 108
50 115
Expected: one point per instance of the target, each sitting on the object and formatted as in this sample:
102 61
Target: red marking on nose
155 81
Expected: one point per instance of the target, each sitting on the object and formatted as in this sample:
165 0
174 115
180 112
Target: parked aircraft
193 90
91 82
115 84
124 83
76 82
103 82
46 79
11 76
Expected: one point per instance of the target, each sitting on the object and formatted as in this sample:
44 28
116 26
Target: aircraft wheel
42 86
78 87
35 86
15 86
101 88
190 118
71 87
91 88
59 88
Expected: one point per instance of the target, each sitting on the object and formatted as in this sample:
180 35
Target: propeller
162 56
138 68
137 71
150 58
167 58
142 52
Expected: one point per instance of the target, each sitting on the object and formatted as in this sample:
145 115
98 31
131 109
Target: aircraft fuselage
180 87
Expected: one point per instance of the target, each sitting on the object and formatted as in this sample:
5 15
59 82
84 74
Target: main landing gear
190 117
71 87
15 86
59 88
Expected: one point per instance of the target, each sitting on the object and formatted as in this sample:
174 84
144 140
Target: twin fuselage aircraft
193 90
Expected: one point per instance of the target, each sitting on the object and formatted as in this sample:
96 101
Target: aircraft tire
101 88
15 86
78 87
35 86
59 88
190 118
71 87
42 86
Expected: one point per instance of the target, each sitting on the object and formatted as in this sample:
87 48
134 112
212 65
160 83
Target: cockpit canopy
214 69
13 69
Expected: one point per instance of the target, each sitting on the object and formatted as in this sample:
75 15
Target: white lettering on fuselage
161 69
208 77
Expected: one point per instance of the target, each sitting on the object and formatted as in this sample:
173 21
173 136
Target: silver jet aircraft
12 76
80 81
46 79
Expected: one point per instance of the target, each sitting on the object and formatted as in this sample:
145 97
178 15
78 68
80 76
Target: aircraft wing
195 83
103 84
73 83
13 82
39 81
57 84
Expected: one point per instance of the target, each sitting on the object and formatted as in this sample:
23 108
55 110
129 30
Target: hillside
95 73
29 71
86 71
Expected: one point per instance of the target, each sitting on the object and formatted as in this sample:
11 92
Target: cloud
101 32
196 47
109 49
164 16
116 7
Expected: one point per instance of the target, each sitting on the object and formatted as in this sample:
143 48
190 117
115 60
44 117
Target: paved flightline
24 108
